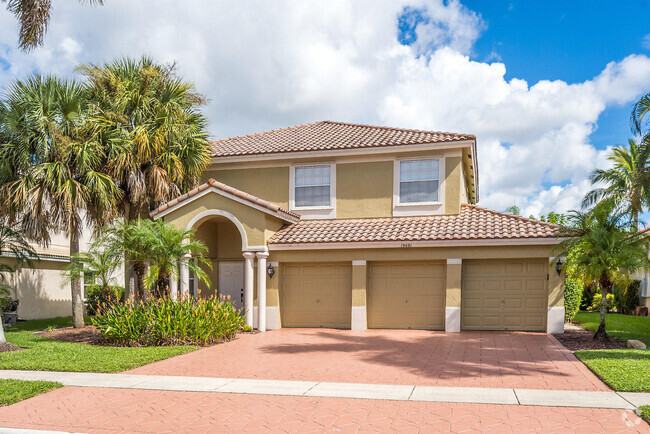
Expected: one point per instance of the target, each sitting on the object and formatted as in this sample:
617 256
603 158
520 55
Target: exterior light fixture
558 266
270 271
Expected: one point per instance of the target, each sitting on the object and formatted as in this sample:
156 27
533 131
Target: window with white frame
312 186
419 181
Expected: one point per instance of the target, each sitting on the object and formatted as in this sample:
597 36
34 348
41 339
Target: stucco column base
261 290
359 285
248 288
555 320
453 286
184 276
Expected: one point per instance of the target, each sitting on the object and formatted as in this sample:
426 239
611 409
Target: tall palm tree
14 245
155 136
34 17
602 252
51 176
627 183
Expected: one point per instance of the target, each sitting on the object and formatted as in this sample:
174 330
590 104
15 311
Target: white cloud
267 65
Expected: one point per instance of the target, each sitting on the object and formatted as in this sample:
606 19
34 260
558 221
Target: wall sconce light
270 271
558 266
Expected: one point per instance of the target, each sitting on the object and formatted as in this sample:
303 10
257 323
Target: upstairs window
312 186
419 181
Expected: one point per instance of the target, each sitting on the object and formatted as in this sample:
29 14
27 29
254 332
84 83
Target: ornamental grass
165 322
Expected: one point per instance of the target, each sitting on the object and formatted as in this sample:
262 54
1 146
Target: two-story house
354 226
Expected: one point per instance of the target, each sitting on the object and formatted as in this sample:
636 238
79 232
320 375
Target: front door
231 282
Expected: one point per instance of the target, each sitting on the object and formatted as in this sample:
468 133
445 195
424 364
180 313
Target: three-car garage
495 294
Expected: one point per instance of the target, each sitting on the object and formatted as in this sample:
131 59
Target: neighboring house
43 290
356 226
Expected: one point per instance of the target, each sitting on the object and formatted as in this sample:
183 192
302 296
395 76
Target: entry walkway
475 395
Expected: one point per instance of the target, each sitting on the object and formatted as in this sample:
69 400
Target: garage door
504 294
409 295
317 295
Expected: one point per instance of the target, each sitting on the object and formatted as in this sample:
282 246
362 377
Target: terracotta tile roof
211 183
328 135
473 223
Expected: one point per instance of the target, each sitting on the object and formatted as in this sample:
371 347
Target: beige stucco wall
271 183
453 285
408 254
453 185
364 190
254 222
43 291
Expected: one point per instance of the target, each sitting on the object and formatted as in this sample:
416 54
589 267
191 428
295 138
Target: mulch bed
575 338
6 347
87 334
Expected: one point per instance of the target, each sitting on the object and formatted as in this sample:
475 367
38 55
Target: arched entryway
233 263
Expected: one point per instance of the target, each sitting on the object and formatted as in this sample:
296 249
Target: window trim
418 208
399 182
307 212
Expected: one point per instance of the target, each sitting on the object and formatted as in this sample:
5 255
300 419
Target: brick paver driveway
467 359
486 359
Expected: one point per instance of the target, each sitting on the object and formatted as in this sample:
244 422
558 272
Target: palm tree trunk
601 333
3 339
635 216
130 278
75 282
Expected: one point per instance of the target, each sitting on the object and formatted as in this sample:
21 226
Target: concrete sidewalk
525 397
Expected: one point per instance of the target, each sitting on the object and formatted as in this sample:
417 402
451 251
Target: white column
184 276
248 287
173 287
261 290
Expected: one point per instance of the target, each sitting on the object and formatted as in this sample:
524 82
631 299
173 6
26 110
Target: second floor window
419 181
312 186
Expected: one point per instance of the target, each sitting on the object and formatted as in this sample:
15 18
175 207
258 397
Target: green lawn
622 370
12 391
44 354
623 327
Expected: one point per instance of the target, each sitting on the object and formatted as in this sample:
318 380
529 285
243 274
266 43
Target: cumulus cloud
404 63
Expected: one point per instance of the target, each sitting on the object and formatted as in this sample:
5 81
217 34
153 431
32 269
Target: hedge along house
353 226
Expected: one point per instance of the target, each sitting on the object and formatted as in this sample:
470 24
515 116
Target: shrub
572 298
626 298
587 297
159 322
595 304
97 296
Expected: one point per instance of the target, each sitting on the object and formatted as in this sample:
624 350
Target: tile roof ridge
261 133
410 130
505 214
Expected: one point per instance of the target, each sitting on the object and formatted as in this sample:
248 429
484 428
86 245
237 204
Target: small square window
312 186
419 181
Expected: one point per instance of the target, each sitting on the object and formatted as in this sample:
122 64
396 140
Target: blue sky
570 41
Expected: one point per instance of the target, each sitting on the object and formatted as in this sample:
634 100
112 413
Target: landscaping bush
598 298
163 321
97 296
587 298
572 298
626 298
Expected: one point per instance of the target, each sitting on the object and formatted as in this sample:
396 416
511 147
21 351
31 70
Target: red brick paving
467 359
106 410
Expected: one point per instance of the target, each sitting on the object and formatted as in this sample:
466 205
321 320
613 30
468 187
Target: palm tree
601 250
51 175
155 136
14 245
627 183
102 262
34 17
639 111
165 246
